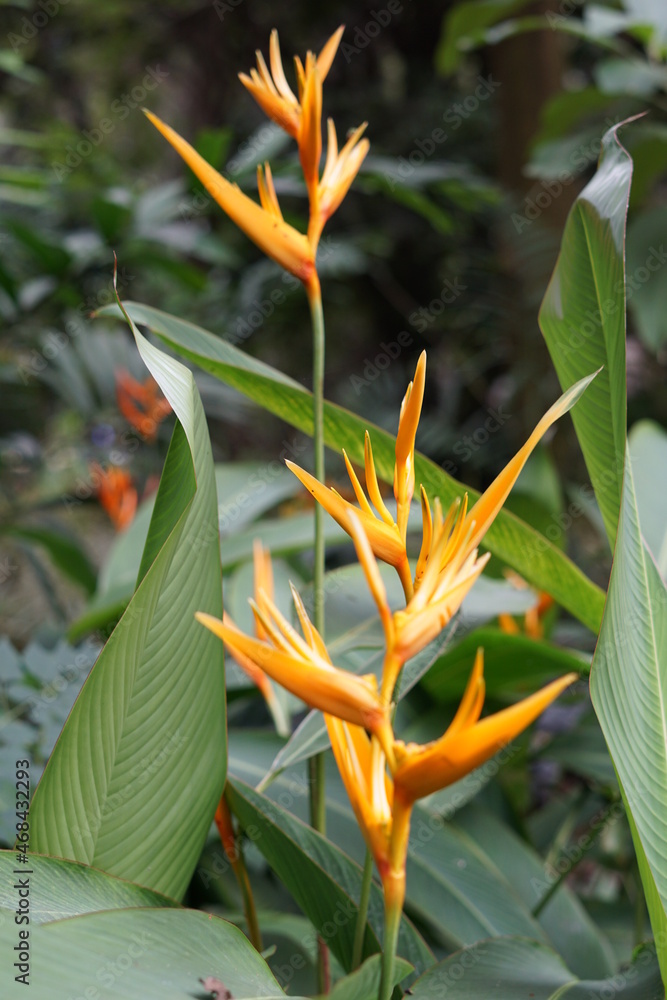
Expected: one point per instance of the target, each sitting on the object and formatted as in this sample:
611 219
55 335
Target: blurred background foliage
485 120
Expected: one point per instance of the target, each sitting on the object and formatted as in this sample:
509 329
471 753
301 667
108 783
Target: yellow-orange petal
384 538
328 53
314 680
275 238
310 128
485 510
356 762
423 770
404 469
273 105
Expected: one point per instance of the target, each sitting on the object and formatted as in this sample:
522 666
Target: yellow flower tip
404 469
310 127
467 744
487 507
328 53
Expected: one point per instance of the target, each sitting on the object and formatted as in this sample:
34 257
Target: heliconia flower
468 742
141 403
116 492
302 666
265 227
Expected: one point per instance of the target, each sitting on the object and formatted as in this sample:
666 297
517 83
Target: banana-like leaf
324 882
137 954
628 689
583 320
61 889
133 781
364 982
519 545
513 664
515 968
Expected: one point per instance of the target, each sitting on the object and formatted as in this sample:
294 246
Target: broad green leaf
647 442
523 548
133 781
364 983
464 23
629 697
564 920
245 491
583 320
514 968
61 889
323 880
138 954
512 664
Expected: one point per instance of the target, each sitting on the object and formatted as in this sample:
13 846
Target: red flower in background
116 493
141 403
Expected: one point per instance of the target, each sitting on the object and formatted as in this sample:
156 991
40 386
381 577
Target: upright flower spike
468 742
275 237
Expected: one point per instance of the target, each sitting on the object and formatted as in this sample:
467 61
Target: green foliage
132 808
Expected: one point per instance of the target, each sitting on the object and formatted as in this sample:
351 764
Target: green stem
392 922
316 764
362 915
317 319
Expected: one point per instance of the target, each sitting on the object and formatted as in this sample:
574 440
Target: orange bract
141 403
116 493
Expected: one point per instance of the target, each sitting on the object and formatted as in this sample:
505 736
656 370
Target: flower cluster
384 776
300 115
